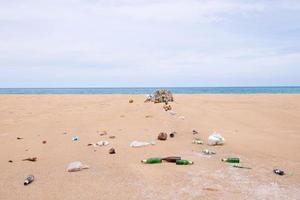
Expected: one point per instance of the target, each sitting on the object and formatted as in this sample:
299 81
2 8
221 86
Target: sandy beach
262 130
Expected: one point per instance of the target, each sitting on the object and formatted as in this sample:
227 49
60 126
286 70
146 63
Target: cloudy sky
127 43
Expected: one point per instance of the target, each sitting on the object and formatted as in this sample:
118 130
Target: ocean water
176 90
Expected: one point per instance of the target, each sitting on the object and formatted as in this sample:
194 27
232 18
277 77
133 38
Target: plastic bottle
152 161
172 159
29 179
184 162
231 160
197 141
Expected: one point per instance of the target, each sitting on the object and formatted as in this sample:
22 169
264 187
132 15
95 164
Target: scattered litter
32 159
215 139
240 166
167 107
76 166
44 142
75 138
208 152
112 151
162 96
19 138
148 98
172 159
149 116
194 132
103 133
231 160
162 136
279 172
184 162
172 112
181 117
28 179
90 144
112 137
152 161
65 133
131 101
10 161
101 143
140 144
197 141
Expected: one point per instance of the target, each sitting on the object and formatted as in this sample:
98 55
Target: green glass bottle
152 160
184 162
231 160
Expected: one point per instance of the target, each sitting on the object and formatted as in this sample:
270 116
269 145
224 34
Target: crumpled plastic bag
215 139
76 166
140 143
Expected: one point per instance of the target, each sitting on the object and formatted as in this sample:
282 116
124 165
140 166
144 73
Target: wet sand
263 130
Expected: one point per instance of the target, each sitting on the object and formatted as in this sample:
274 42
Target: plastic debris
19 138
167 107
112 137
112 151
208 152
194 132
140 144
75 138
279 172
240 166
162 136
102 143
197 141
28 179
32 159
103 133
76 166
215 139
172 112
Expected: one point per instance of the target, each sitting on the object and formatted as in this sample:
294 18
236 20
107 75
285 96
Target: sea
149 90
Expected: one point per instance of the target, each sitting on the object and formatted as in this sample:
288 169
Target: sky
143 43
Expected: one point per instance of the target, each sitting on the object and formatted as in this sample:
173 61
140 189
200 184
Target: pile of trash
160 96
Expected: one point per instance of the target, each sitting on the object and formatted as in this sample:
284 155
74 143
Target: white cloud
130 42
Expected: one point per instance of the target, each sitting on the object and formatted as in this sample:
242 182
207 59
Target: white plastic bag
76 166
215 139
140 144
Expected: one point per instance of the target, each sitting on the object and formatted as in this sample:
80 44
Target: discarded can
152 161
279 172
184 162
231 160
29 179
172 159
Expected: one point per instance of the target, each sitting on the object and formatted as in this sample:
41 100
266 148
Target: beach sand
263 130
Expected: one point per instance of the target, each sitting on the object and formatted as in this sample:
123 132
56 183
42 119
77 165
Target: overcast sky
129 43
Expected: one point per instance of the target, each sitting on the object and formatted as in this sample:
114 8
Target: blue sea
148 90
